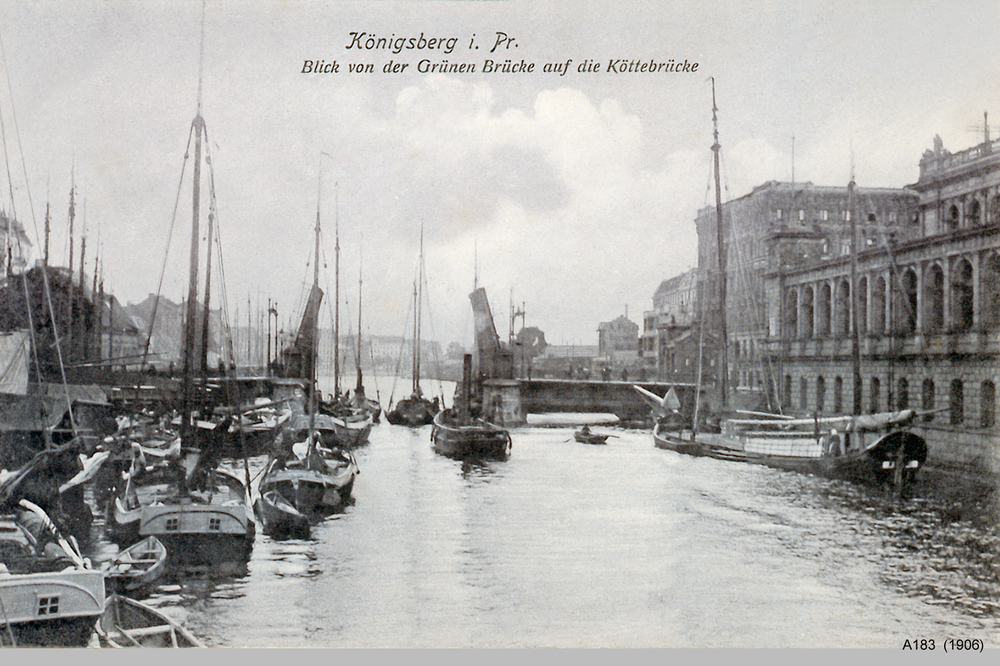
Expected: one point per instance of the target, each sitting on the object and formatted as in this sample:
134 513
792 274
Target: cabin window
903 394
961 296
927 398
838 395
214 524
48 606
875 397
988 398
173 524
820 393
956 402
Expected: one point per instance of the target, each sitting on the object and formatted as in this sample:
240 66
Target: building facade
927 314
782 226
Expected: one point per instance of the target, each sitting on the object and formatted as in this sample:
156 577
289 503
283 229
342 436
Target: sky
571 193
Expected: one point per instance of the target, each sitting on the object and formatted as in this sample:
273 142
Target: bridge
514 399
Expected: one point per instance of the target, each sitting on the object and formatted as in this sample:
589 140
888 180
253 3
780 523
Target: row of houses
925 281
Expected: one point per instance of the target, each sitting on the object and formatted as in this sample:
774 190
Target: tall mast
83 257
336 294
197 128
72 217
48 229
413 361
360 385
419 320
208 296
723 351
313 344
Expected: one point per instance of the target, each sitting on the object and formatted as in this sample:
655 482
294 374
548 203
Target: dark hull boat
414 412
294 492
587 437
466 439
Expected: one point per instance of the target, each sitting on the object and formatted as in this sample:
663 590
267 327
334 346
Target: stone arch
975 213
823 304
953 219
806 312
905 306
878 307
790 329
842 309
933 298
989 281
861 316
961 295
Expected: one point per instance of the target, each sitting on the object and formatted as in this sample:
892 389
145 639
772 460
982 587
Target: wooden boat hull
413 412
55 609
673 441
592 438
279 518
311 488
130 623
480 440
137 567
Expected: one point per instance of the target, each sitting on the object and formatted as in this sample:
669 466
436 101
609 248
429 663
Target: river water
623 545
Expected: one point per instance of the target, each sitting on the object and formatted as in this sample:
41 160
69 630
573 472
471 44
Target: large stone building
927 313
782 227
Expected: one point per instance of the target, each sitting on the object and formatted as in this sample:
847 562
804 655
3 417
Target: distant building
928 311
669 326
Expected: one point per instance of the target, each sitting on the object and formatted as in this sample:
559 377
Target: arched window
820 393
803 393
988 404
933 299
838 395
974 213
806 313
905 305
878 307
842 309
994 210
961 295
875 397
956 402
927 398
862 304
786 393
989 307
953 218
903 394
823 311
791 327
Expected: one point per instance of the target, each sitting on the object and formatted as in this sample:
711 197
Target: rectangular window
824 215
988 398
802 215
956 402
173 524
48 605
214 524
777 214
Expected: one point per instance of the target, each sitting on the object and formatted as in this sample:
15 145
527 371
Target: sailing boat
295 490
359 400
865 448
340 424
416 410
461 431
202 514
